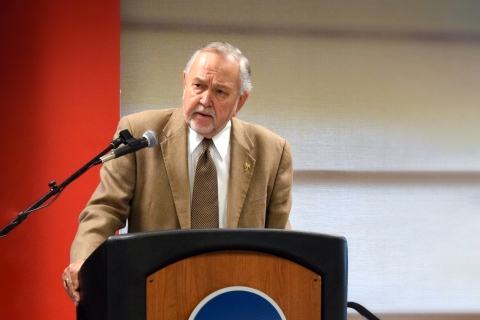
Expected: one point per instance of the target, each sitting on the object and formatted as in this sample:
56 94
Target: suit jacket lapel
174 149
242 166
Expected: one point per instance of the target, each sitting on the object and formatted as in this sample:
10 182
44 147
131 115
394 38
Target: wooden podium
166 274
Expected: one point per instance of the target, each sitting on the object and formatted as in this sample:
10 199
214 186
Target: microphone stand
55 190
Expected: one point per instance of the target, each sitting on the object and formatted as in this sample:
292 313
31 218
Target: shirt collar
221 140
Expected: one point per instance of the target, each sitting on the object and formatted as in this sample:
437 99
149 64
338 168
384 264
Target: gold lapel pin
247 166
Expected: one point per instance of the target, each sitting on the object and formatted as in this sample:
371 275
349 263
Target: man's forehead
216 60
223 70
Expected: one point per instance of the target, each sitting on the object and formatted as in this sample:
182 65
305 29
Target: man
157 188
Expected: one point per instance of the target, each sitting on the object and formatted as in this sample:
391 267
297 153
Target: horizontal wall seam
299 31
387 177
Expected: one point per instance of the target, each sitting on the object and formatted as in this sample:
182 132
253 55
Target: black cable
45 205
362 310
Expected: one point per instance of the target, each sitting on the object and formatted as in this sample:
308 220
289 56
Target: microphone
149 139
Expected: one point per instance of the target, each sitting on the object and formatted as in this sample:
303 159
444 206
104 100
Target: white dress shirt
220 152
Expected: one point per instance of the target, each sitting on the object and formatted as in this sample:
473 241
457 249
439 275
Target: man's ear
241 101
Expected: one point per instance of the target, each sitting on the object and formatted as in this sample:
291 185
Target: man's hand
70 280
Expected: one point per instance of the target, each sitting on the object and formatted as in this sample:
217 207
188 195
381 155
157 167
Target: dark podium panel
113 278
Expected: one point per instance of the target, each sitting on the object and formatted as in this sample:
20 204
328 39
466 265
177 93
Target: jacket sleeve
109 206
280 204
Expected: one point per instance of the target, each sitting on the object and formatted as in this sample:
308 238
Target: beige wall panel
397 15
344 105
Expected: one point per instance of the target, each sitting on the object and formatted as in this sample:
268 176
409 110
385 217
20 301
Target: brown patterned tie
205 191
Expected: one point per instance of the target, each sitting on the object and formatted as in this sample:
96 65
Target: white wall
380 103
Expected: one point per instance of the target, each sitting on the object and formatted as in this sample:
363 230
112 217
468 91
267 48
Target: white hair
228 50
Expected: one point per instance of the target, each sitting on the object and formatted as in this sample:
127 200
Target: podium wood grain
174 291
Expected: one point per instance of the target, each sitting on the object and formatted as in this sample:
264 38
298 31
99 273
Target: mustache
199 108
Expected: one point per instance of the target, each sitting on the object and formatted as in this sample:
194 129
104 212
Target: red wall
59 106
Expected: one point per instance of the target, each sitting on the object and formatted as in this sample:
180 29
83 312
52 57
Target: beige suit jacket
151 187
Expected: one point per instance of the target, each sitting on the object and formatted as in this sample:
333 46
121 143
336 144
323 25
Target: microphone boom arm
56 190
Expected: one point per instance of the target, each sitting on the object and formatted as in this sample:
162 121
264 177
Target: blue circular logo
237 303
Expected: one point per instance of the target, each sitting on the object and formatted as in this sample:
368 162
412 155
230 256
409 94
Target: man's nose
206 99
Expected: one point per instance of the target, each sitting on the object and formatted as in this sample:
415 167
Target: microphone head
151 137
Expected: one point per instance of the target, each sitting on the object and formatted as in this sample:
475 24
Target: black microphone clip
149 139
124 137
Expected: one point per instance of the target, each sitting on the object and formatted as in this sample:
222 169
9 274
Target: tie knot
207 143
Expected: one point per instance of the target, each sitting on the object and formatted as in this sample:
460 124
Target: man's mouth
202 114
